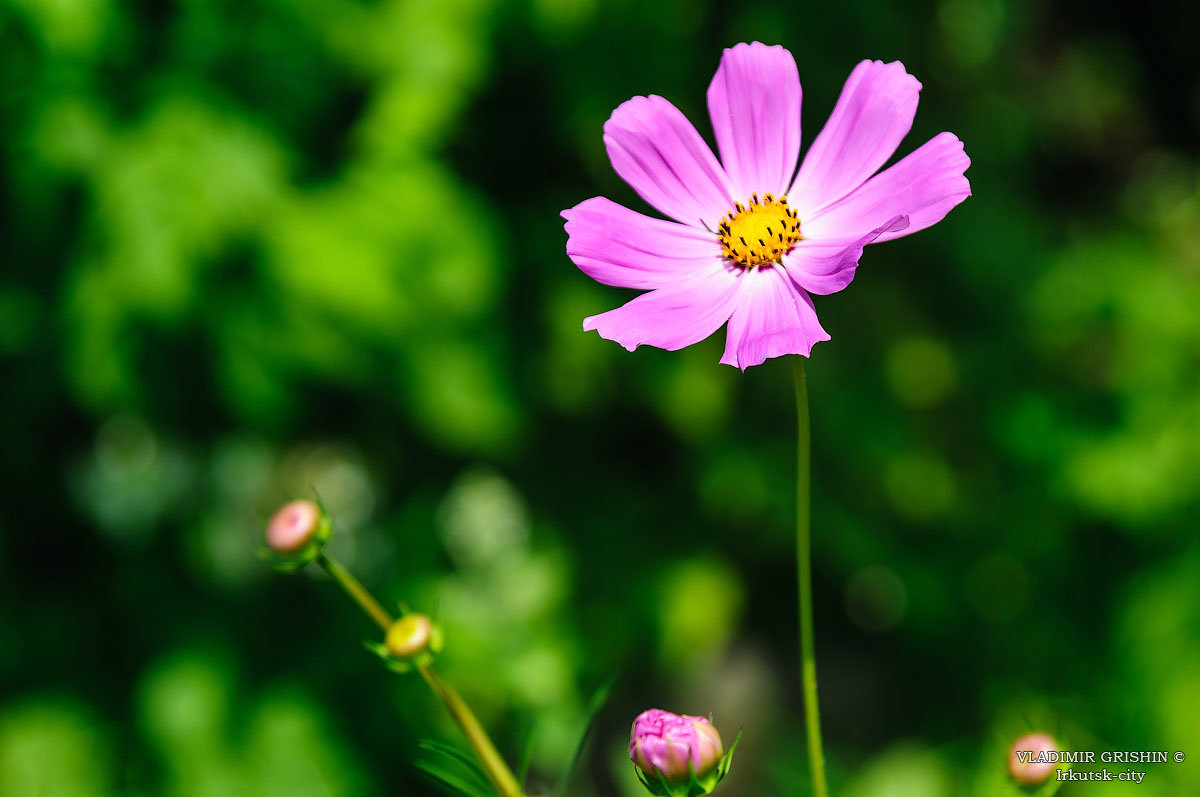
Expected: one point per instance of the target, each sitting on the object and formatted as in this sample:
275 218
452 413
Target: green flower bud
411 642
409 636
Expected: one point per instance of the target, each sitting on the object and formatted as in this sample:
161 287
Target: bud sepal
295 535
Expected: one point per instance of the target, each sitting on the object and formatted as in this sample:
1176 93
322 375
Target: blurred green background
255 248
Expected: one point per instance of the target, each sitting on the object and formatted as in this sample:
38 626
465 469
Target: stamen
759 221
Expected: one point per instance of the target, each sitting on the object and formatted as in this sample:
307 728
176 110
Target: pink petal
924 186
773 317
676 315
873 114
754 102
825 266
656 150
618 246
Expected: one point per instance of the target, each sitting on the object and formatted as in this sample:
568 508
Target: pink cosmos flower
752 237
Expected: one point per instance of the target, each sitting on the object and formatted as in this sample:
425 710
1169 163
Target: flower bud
411 642
293 526
410 636
677 755
1030 771
295 535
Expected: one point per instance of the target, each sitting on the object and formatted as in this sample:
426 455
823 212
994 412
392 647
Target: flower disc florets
759 233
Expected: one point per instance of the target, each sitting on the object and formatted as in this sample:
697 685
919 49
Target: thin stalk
493 763
357 591
808 658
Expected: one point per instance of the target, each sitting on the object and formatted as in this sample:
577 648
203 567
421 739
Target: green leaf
450 781
453 768
526 757
467 760
599 698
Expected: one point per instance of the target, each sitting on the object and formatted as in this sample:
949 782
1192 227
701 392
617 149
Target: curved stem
808 658
493 763
356 590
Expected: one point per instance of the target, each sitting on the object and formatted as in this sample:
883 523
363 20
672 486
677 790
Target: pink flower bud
293 526
1025 768
674 746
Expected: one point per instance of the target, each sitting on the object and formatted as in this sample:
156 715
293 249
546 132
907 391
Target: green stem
356 591
493 763
808 658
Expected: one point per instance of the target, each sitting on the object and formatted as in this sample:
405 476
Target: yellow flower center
759 233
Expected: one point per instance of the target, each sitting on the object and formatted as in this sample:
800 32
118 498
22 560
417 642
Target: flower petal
754 102
824 266
872 116
773 317
676 315
924 186
618 246
656 150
